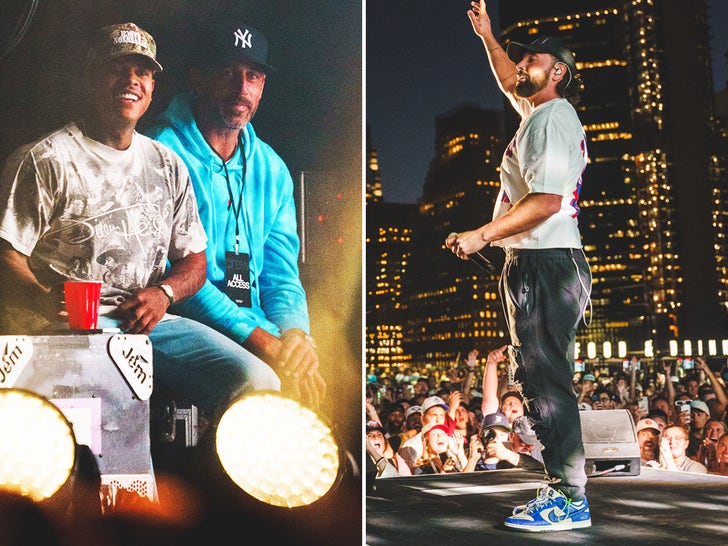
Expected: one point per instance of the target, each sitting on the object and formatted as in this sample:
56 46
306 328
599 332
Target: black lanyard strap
236 209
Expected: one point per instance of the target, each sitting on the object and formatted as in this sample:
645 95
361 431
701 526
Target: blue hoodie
267 226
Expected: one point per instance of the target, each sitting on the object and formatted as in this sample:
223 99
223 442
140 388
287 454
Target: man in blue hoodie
253 293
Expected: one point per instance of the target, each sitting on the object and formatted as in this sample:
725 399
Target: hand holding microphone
454 244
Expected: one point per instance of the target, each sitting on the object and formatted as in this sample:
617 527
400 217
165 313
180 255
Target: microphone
482 262
478 259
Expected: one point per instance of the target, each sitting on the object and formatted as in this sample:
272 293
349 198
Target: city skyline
419 68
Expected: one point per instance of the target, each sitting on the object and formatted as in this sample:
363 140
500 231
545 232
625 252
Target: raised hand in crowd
717 408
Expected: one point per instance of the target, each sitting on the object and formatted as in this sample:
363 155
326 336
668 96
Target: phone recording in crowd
685 408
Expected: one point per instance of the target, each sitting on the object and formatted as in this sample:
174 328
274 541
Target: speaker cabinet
610 443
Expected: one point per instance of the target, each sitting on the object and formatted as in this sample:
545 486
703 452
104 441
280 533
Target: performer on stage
545 284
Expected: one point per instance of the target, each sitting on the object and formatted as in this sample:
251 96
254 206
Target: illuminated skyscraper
373 178
389 228
453 305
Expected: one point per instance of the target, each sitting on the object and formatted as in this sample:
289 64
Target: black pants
544 294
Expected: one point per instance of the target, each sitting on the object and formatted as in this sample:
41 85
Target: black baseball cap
545 44
224 42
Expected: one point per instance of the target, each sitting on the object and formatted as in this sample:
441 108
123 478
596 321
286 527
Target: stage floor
655 507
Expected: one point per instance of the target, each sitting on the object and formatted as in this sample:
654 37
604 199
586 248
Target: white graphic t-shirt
548 154
82 210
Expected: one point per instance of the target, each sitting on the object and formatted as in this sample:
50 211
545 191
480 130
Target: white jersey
547 155
83 210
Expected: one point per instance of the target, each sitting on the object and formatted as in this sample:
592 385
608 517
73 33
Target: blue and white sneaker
550 511
540 492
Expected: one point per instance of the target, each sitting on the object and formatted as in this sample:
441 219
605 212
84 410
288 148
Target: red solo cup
82 303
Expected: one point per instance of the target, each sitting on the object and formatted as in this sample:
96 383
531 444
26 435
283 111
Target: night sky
423 59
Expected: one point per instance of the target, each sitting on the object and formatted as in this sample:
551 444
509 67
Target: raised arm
491 402
718 389
471 362
669 387
503 68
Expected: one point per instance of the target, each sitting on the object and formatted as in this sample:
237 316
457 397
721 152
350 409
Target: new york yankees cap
222 43
114 41
544 44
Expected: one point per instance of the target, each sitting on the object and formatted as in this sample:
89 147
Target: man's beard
529 87
235 120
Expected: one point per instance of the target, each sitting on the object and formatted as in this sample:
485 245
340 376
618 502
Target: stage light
38 449
276 450
591 350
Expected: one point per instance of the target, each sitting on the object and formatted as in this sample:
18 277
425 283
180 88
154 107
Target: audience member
434 411
673 451
422 387
463 425
412 426
603 399
442 452
475 412
622 386
683 417
510 402
495 429
388 462
393 421
470 366
699 416
714 395
371 411
721 456
659 417
511 405
660 402
712 432
648 433
504 447
691 384
588 386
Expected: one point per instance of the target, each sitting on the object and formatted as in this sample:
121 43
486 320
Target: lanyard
236 209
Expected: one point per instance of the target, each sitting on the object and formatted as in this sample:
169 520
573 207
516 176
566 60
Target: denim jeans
544 294
204 367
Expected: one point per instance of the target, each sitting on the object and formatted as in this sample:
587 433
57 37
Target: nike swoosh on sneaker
554 515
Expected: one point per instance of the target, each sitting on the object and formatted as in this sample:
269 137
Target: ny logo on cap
244 39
